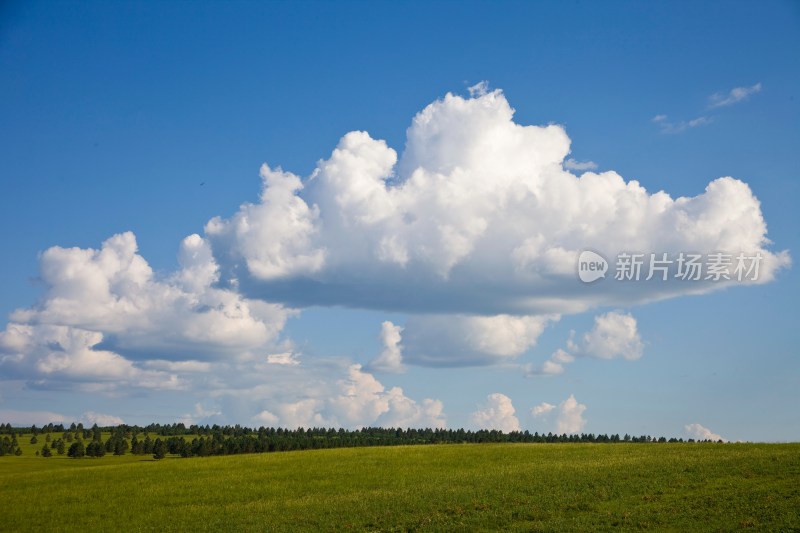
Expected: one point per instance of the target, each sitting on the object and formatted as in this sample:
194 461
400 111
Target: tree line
78 441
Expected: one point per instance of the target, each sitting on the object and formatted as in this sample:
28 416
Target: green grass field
518 487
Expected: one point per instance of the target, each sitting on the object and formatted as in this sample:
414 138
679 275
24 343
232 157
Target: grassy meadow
517 487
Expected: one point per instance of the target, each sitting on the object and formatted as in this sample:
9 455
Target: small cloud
497 413
26 418
699 121
734 96
572 164
92 418
614 335
570 416
698 432
267 418
716 100
479 89
391 358
470 340
552 367
542 409
285 358
560 356
200 413
666 126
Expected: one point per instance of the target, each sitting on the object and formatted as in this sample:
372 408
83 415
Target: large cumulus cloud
106 318
478 216
114 291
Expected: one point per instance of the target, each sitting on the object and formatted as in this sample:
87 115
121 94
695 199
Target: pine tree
159 449
46 451
95 449
76 450
148 445
120 447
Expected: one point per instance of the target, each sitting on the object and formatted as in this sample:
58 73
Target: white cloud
542 409
26 418
735 95
570 416
201 414
360 397
178 366
551 367
479 89
698 432
497 413
302 413
716 100
114 291
330 393
405 412
614 335
363 398
266 418
91 418
478 216
273 237
666 126
571 164
391 358
284 358
70 355
462 340
562 357
101 304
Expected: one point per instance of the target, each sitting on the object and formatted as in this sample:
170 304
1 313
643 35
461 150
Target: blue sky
154 118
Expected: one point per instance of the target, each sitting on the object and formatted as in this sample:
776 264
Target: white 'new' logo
591 266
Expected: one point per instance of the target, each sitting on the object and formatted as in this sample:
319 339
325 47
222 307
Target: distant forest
199 441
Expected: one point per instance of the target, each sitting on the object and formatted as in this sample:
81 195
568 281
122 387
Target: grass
516 487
